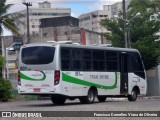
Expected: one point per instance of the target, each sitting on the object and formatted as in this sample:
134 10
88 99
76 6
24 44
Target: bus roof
98 47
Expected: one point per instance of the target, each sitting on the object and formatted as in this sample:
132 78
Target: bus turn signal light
56 77
19 78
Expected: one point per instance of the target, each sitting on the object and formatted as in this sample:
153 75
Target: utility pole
127 27
28 33
124 17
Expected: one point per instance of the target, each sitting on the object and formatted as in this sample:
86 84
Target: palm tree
8 21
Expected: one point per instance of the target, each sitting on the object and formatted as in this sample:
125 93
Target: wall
153 82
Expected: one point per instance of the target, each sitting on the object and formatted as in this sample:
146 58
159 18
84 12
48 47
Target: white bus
68 71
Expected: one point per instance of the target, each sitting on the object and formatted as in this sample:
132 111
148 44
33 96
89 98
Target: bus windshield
37 55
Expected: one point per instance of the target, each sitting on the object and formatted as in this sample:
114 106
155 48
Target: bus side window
98 60
76 59
136 65
111 61
86 60
65 59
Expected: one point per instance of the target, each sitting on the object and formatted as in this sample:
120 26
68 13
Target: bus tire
133 96
89 99
101 98
58 99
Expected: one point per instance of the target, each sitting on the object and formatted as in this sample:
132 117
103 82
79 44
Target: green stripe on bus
23 76
74 80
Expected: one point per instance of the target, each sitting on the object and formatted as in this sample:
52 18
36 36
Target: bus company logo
37 74
33 76
6 114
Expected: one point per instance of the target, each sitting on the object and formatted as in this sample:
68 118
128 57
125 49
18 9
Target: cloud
93 6
98 5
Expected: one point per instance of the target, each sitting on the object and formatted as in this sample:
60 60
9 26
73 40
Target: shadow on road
68 103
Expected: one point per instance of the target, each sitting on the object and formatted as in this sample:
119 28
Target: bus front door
124 73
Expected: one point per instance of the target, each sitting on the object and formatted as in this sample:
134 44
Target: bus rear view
37 73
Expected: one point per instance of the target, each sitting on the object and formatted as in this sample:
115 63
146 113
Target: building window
40 14
33 32
54 14
33 26
34 14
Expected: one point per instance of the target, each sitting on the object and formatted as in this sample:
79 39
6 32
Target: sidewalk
148 97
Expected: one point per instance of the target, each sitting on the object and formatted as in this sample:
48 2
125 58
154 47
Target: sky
78 7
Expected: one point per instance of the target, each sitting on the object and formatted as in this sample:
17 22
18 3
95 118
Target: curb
148 97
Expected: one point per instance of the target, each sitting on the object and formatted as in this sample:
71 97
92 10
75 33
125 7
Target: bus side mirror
16 46
11 49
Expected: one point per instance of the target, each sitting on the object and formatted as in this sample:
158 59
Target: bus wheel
58 99
133 96
101 98
89 99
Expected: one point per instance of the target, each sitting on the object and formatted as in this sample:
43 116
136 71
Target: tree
143 31
5 85
115 33
8 21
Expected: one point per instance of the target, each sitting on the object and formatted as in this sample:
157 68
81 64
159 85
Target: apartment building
35 14
117 8
91 21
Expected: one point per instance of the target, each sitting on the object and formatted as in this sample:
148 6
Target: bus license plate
36 90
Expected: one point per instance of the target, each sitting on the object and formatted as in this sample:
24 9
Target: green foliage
143 31
149 51
9 21
5 87
31 97
15 95
114 27
2 61
144 6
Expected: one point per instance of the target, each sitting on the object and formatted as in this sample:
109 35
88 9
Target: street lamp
11 48
128 42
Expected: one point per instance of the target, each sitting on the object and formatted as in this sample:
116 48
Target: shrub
5 89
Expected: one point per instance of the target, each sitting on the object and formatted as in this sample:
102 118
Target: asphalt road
110 105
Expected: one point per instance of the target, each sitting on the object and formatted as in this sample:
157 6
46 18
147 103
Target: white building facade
91 21
117 8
